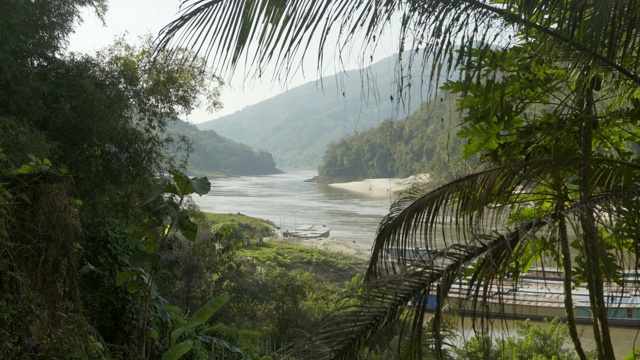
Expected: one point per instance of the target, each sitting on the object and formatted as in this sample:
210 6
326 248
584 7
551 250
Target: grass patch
326 265
254 229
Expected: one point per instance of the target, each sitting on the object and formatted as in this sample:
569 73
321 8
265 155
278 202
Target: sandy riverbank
381 187
371 187
356 249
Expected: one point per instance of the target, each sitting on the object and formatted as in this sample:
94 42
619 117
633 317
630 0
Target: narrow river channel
288 201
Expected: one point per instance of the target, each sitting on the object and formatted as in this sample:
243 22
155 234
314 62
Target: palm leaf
261 32
345 333
478 238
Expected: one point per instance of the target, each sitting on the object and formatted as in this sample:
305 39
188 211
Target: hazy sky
138 17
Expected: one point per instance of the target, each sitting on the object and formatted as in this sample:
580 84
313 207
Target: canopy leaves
557 164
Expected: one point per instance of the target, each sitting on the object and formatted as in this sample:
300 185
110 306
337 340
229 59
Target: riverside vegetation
96 222
548 95
421 143
102 254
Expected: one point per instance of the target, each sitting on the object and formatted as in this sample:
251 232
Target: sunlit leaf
200 186
134 286
177 351
175 334
206 311
224 344
187 228
182 182
201 316
123 276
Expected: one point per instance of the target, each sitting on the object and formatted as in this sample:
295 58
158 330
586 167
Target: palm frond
384 299
478 240
260 32
472 208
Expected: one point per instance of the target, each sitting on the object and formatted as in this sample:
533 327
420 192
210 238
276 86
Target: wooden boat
308 232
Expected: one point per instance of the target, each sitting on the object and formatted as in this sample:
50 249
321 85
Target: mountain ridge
297 125
213 154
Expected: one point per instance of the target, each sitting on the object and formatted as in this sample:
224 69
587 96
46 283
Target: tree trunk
568 285
591 245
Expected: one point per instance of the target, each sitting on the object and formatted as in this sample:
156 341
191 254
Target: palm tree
594 41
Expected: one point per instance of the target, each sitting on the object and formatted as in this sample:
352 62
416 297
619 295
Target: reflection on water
287 200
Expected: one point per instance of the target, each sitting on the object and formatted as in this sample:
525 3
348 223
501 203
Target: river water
288 201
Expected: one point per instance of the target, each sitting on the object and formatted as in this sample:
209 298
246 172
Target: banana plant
177 350
167 219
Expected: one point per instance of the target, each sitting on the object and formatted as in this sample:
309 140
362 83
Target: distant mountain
297 125
216 155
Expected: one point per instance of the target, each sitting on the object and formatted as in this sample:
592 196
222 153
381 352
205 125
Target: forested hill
297 125
214 154
424 142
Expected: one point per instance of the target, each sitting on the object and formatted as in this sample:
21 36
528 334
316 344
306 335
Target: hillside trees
215 154
421 143
570 163
82 142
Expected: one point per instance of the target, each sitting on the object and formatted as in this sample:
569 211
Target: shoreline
362 251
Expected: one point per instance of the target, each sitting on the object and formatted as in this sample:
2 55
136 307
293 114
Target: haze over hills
216 155
297 125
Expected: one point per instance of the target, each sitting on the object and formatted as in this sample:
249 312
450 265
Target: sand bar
381 187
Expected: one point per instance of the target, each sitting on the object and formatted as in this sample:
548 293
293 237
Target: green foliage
217 155
177 350
536 342
41 246
421 143
201 316
280 292
531 342
290 256
298 125
16 316
113 310
168 219
252 229
33 33
82 140
224 332
478 347
635 354
188 280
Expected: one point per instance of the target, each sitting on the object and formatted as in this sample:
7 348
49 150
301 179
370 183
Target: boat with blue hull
539 294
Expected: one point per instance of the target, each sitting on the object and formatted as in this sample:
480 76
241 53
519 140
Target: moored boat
308 232
539 294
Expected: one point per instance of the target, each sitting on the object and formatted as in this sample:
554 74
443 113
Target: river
287 200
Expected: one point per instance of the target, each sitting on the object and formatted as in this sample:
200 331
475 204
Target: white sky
135 18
